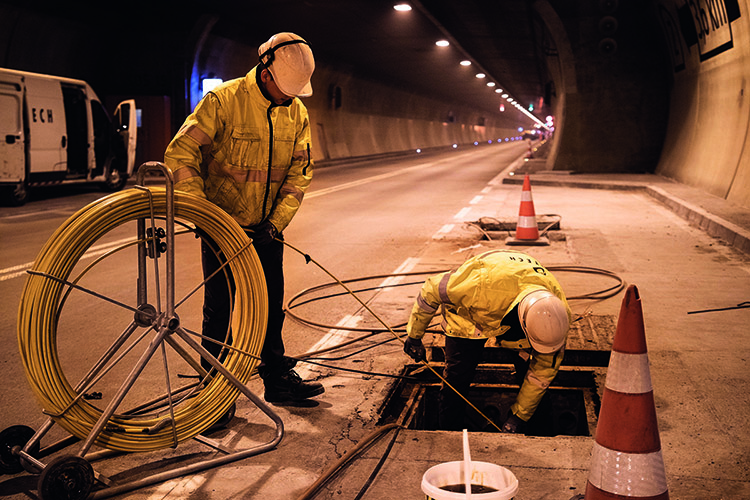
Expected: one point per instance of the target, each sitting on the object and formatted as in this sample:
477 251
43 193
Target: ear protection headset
270 53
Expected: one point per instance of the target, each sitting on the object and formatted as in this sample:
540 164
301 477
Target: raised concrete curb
713 225
735 233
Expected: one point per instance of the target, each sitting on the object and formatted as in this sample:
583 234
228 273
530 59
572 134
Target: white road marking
95 251
462 213
443 231
387 284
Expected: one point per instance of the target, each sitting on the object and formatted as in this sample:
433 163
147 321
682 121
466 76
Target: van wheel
15 195
115 180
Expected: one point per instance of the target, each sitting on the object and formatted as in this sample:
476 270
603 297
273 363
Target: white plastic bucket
482 473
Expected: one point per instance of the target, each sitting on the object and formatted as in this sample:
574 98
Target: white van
55 130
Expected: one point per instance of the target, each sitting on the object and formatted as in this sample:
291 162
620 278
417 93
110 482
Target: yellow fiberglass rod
38 317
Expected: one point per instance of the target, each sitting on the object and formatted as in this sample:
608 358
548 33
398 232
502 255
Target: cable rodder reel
139 362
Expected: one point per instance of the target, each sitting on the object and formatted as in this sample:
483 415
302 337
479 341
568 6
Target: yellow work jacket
476 297
245 154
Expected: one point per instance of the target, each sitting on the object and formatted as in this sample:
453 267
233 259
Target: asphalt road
357 220
376 218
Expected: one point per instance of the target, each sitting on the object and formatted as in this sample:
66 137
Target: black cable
361 372
379 465
597 295
741 305
340 358
332 295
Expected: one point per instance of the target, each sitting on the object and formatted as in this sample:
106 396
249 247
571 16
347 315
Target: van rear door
48 141
12 158
126 125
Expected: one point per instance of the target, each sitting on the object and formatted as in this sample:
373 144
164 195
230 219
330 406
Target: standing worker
503 294
246 148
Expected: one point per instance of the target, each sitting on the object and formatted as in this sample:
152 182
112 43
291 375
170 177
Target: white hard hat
544 320
290 60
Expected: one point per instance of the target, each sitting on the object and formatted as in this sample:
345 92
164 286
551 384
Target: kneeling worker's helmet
290 60
544 319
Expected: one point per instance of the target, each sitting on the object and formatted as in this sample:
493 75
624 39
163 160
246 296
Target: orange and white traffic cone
626 461
527 231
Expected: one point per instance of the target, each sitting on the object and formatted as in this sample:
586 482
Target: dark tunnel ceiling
367 37
370 38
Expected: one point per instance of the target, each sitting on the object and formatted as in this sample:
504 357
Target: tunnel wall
610 96
355 117
708 137
352 116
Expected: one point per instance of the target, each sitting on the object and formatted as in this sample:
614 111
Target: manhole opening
495 229
543 222
569 407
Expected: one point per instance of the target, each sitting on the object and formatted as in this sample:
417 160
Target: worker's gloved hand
264 233
513 425
415 349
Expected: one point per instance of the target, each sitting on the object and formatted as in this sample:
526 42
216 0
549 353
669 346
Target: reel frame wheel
12 440
67 477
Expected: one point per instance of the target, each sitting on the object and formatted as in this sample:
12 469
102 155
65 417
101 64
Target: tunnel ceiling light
505 96
481 75
465 63
490 84
498 91
442 43
402 7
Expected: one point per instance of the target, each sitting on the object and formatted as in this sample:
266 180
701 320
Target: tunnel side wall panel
708 136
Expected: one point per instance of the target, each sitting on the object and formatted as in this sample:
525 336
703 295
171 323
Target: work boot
290 387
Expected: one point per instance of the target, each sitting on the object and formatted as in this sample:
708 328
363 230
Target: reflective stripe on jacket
476 297
225 148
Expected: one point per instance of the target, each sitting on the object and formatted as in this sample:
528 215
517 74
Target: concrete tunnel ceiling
504 40
610 103
535 50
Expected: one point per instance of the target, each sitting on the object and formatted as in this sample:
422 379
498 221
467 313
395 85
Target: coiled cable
38 316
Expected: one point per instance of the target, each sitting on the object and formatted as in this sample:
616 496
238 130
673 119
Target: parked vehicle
55 130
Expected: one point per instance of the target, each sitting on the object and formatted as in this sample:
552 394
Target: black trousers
218 299
462 356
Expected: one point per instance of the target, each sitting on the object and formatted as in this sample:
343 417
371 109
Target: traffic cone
527 231
626 461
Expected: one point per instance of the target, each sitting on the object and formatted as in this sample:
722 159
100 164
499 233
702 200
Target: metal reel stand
71 476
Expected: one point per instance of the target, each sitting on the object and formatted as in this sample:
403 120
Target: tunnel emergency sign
712 22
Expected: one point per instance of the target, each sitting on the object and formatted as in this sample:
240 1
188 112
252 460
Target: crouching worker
503 294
